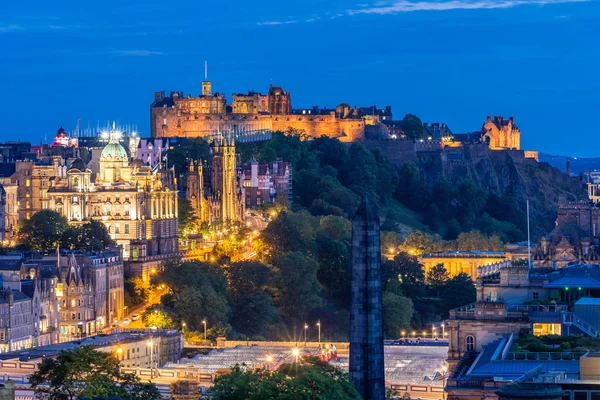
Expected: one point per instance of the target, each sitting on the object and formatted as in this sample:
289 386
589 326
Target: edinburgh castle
177 115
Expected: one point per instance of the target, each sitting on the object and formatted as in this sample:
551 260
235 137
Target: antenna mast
205 70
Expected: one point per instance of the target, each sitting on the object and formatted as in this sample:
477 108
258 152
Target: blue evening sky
453 61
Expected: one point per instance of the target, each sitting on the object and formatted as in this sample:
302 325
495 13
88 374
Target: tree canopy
310 380
43 230
85 372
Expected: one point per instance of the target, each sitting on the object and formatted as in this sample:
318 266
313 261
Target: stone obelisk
366 309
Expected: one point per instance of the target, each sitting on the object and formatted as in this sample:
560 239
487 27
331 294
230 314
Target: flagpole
528 239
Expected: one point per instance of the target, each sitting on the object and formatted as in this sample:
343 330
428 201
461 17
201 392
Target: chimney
159 95
511 119
489 119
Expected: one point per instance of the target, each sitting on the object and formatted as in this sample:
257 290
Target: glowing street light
295 353
204 323
414 333
319 326
403 333
151 346
305 329
183 330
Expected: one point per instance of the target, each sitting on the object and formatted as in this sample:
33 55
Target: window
73 316
126 229
27 182
470 343
536 295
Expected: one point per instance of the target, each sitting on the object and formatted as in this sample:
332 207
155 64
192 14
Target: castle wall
169 122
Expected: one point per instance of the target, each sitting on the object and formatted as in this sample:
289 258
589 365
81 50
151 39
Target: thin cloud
11 28
267 23
404 6
138 53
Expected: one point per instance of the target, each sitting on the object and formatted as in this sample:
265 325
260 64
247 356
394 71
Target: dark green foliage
397 314
250 285
310 380
92 235
188 220
199 291
43 230
458 292
412 126
300 288
406 270
437 277
85 372
188 149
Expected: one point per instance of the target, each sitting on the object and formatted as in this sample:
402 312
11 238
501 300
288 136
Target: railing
537 308
571 319
545 356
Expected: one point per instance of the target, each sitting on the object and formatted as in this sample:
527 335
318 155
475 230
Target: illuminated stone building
137 203
501 134
177 115
263 182
467 262
214 192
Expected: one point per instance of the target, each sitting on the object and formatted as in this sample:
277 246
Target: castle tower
229 180
223 176
366 308
195 184
206 84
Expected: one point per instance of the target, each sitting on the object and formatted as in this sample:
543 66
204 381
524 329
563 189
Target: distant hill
578 164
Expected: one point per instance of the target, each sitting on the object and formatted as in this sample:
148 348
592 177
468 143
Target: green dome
113 151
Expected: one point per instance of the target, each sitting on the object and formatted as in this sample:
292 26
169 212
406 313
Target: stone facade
472 327
366 309
215 192
137 203
263 182
465 262
16 320
501 134
179 116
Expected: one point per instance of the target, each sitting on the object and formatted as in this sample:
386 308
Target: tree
198 291
437 277
397 314
156 316
412 126
43 230
85 372
309 380
457 292
188 220
251 287
188 149
299 286
411 189
406 270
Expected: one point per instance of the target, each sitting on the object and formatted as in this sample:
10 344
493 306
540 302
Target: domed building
137 203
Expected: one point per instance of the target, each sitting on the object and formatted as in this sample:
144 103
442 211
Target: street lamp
305 329
151 346
443 330
183 330
295 353
319 326
414 333
119 353
402 334
424 334
269 360
433 331
204 323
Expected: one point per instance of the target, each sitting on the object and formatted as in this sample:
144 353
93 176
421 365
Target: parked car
135 317
126 321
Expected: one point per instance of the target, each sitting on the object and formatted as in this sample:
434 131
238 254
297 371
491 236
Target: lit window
27 182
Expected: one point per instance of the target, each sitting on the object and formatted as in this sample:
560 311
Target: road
140 309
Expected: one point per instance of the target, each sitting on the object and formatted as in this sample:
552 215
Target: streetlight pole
305 329
183 331
443 331
319 326
204 323
151 345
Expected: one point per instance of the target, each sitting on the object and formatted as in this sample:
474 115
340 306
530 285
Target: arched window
470 343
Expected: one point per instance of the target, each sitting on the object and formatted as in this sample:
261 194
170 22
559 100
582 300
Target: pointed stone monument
366 309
